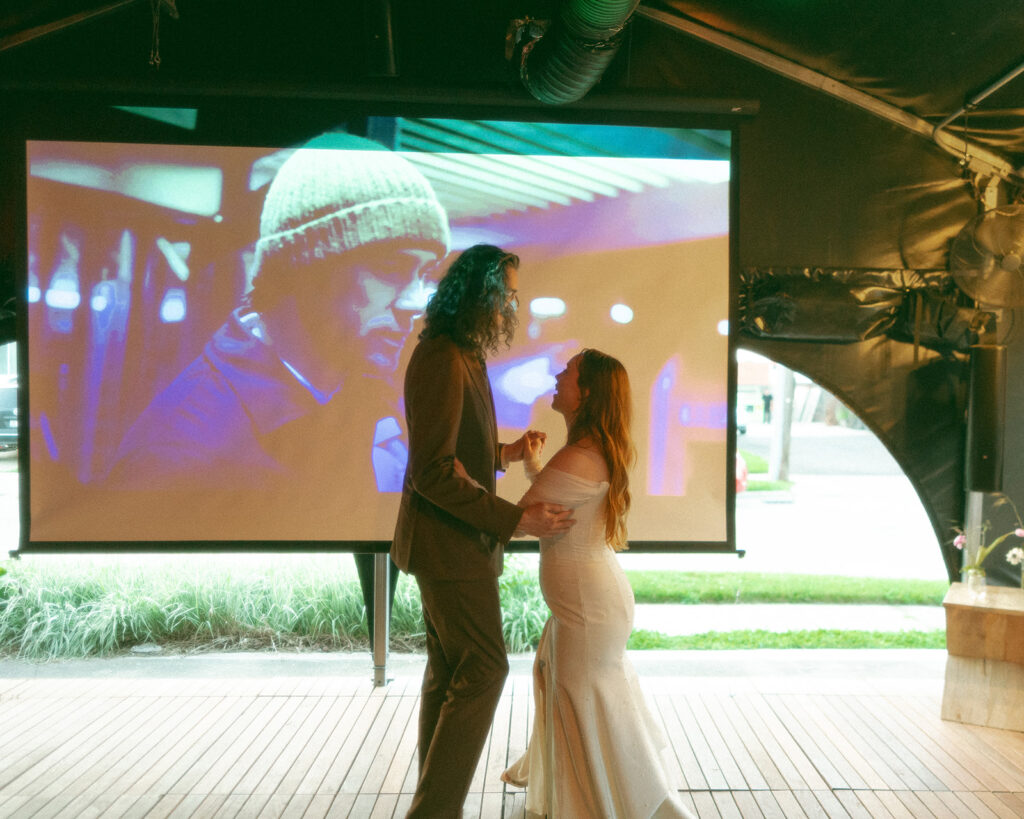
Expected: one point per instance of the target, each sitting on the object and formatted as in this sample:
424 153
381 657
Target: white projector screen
142 430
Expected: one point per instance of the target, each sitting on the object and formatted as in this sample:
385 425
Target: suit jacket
449 527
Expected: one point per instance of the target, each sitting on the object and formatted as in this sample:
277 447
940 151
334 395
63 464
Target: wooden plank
870 802
883 768
787 802
56 733
101 725
747 805
384 807
909 761
95 787
687 765
710 768
342 716
801 760
272 747
295 805
174 756
303 745
858 772
997 805
495 757
818 748
248 742
348 744
921 735
704 805
760 757
726 805
779 771
404 803
829 803
212 750
894 805
973 747
748 771
853 804
916 808
368 749
1014 800
404 760
158 743
810 805
396 733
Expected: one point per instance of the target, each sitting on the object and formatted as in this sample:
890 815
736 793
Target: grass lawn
99 606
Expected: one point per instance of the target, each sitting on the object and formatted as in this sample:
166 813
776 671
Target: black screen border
261 122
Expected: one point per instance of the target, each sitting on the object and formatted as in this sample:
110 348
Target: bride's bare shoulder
582 461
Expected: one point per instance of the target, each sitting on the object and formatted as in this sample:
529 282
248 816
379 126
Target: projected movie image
217 336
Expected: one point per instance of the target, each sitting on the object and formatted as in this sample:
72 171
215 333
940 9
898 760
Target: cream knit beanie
327 200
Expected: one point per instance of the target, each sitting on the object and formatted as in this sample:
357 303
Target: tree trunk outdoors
784 386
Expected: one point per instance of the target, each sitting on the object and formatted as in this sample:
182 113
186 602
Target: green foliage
75 607
752 587
756 465
769 486
818 638
523 609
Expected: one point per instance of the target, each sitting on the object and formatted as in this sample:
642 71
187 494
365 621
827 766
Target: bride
595 748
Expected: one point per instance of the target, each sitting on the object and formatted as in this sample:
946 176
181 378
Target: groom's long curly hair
470 298
605 415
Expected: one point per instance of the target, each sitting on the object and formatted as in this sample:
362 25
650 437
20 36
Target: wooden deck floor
271 741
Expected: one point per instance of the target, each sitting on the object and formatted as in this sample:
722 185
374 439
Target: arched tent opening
825 495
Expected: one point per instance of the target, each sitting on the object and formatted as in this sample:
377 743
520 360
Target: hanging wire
155 7
154 48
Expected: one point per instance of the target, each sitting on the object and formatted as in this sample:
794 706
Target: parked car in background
8 413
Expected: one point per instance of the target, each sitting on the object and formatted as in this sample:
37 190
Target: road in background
851 511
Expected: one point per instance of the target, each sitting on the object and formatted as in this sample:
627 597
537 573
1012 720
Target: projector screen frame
94 121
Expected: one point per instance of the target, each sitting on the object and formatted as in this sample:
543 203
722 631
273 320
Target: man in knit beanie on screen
290 418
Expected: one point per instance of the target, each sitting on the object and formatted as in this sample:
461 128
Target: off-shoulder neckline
574 476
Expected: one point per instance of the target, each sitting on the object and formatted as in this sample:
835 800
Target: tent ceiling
926 59
916 64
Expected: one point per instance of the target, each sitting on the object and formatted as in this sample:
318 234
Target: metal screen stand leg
381 617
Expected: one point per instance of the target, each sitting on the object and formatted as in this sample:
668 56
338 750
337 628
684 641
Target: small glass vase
974 579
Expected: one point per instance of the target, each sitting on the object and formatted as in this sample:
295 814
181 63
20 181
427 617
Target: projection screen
161 413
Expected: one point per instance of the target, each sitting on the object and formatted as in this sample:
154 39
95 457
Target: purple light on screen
517 384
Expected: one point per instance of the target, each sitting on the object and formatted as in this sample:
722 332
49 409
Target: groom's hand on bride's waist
544 520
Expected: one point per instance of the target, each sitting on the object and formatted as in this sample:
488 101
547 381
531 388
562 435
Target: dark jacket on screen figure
449 527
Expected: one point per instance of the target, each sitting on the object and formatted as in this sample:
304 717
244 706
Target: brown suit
450 535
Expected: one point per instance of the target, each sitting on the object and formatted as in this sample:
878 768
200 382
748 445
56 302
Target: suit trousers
466 669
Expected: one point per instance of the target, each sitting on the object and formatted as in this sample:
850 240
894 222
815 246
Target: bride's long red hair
605 415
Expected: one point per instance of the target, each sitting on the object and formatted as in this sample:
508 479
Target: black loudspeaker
986 418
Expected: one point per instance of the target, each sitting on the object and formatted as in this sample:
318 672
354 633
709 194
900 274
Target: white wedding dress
595 748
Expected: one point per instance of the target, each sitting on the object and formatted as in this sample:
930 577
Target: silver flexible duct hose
566 62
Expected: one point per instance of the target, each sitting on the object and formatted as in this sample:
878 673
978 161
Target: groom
451 529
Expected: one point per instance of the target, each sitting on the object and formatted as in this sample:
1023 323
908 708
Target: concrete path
674 619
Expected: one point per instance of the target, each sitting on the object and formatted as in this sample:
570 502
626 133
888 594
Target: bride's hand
518 449
533 445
